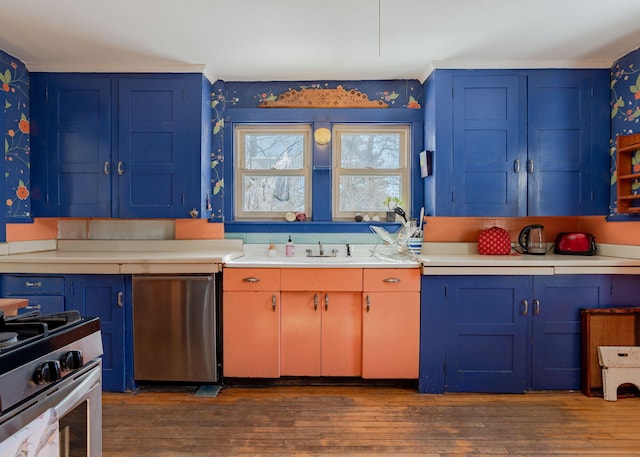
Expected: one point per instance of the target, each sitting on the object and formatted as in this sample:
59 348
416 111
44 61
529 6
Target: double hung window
370 162
274 172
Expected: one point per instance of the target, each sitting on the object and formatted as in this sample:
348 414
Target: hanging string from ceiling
379 27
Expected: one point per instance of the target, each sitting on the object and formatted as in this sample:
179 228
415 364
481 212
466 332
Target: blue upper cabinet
128 146
518 143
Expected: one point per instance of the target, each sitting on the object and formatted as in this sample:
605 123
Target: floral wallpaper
398 94
625 110
14 83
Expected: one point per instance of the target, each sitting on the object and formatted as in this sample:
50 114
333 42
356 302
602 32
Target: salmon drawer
321 279
251 279
392 279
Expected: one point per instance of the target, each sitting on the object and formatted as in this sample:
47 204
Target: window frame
321 167
403 169
240 172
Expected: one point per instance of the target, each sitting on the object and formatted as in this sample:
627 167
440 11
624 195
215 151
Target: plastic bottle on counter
289 248
272 250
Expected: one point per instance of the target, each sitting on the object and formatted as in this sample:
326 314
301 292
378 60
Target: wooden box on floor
605 327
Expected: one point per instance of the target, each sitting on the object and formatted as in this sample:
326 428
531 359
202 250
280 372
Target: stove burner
8 338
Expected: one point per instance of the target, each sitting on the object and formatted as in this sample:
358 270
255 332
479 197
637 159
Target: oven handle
80 391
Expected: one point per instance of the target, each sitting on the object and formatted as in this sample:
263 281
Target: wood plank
366 421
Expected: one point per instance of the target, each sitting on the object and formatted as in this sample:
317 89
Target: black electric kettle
531 239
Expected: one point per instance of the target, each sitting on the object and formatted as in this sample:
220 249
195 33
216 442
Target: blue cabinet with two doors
127 146
518 142
103 296
510 333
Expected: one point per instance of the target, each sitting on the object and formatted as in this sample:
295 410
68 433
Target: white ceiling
293 40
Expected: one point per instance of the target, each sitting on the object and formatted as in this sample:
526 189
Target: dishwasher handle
203 277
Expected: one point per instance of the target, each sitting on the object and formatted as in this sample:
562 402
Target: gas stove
39 351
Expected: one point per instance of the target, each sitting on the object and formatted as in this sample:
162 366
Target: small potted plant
391 202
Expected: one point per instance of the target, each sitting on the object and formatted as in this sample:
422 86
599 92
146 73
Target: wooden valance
323 98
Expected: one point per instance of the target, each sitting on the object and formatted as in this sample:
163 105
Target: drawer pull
326 302
251 279
106 168
536 307
315 302
33 284
273 302
120 299
525 307
368 303
33 307
391 280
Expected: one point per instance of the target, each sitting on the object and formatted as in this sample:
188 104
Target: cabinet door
341 334
152 129
555 311
251 334
321 334
300 350
568 167
486 341
103 296
390 335
71 146
489 141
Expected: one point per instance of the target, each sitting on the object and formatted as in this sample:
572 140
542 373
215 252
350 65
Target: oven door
76 403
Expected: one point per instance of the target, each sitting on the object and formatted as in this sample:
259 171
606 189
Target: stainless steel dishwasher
174 328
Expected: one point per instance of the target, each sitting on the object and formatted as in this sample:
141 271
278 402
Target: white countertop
208 256
463 259
362 256
122 257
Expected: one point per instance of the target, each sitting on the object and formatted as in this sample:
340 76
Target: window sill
307 227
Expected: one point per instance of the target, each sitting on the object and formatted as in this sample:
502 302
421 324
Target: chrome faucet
348 250
321 248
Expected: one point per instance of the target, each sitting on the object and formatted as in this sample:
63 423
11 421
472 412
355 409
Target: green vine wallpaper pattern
14 83
625 111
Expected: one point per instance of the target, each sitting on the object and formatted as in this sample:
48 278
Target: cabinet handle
529 166
33 284
326 302
273 302
525 307
391 280
120 168
536 307
106 168
516 166
33 307
120 299
251 279
315 302
368 303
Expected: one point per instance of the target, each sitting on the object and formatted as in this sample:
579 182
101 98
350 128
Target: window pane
366 193
264 151
273 193
374 150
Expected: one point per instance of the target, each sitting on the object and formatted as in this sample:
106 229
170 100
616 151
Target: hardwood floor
366 421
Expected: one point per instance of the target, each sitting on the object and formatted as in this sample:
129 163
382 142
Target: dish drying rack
396 243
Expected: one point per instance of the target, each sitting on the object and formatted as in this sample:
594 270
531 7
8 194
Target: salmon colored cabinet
321 322
251 323
391 323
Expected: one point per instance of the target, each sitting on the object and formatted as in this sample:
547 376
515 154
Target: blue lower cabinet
44 292
504 333
105 296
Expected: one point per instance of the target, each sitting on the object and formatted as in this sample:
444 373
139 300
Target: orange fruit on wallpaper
23 125
22 192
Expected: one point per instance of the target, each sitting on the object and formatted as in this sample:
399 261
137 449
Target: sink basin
256 256
320 262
